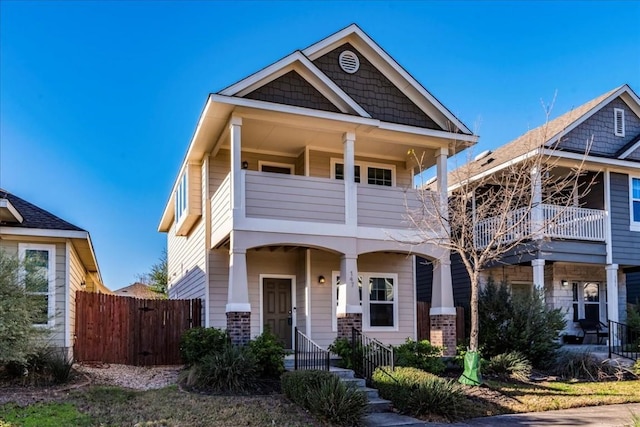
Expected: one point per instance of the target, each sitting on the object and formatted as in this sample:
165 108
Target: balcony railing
556 222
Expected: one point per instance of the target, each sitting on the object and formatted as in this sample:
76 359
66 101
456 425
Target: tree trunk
473 338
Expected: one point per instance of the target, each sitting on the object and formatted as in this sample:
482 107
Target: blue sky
98 100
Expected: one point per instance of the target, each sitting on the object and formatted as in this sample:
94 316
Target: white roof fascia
285 65
578 121
5 203
44 232
318 49
608 161
631 149
428 132
290 109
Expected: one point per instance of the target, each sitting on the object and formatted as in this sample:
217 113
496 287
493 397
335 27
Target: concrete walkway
601 416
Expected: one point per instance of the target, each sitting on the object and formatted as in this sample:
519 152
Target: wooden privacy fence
132 331
424 321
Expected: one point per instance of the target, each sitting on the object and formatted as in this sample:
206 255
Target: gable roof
138 290
34 216
545 136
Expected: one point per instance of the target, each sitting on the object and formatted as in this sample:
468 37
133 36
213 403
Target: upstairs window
38 274
379 176
376 174
181 197
635 201
618 121
339 172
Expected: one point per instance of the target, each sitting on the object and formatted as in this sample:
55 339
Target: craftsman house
587 253
289 205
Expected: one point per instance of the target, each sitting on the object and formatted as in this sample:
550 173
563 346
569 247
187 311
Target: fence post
295 349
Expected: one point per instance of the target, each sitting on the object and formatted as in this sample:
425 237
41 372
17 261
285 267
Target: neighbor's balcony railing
557 222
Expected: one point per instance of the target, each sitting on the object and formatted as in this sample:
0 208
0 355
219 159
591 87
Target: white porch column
238 296
442 289
349 298
612 292
538 273
350 189
441 183
235 126
537 216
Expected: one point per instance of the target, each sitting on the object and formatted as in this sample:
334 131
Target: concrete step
355 382
342 372
390 419
378 404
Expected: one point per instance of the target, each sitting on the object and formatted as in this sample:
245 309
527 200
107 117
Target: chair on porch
593 327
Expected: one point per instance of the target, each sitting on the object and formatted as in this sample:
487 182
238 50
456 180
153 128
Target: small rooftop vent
349 62
482 155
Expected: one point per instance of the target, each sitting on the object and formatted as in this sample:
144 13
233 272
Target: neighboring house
138 290
289 204
58 260
582 260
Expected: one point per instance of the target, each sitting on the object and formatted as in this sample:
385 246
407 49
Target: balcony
560 222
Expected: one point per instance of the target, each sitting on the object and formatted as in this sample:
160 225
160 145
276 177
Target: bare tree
502 202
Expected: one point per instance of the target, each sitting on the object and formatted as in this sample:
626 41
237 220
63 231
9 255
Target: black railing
309 355
623 340
368 354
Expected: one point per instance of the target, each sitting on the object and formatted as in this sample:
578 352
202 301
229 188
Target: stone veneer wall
443 332
239 327
348 321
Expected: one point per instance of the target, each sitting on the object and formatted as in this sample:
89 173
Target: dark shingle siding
625 243
292 89
459 278
373 91
35 217
600 127
633 287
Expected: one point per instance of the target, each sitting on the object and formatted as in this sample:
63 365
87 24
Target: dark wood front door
277 308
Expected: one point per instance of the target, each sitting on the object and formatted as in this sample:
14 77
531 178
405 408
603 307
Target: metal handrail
308 355
623 340
368 354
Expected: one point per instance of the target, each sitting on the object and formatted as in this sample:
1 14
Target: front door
277 309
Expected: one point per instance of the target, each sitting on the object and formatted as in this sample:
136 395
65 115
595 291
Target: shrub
343 348
508 365
521 323
421 355
418 393
583 366
196 343
43 366
60 367
325 396
268 353
636 367
231 370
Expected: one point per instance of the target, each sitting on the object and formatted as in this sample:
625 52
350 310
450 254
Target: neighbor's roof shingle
35 217
531 140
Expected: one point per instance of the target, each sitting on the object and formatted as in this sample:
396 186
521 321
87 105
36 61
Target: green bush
421 355
325 396
521 323
269 353
583 366
231 370
43 366
418 393
196 343
343 348
508 366
636 367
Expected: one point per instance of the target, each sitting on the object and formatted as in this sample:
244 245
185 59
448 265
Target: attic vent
349 62
618 121
482 155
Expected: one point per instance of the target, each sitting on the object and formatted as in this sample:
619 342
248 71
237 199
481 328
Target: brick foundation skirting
443 332
346 322
239 327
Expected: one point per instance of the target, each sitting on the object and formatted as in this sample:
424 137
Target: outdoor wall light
245 165
321 280
564 283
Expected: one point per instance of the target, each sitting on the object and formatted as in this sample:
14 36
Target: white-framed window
634 202
374 173
181 197
274 167
378 298
38 276
589 301
618 121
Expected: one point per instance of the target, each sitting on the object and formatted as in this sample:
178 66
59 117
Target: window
38 276
272 167
377 174
378 297
618 121
181 197
635 201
